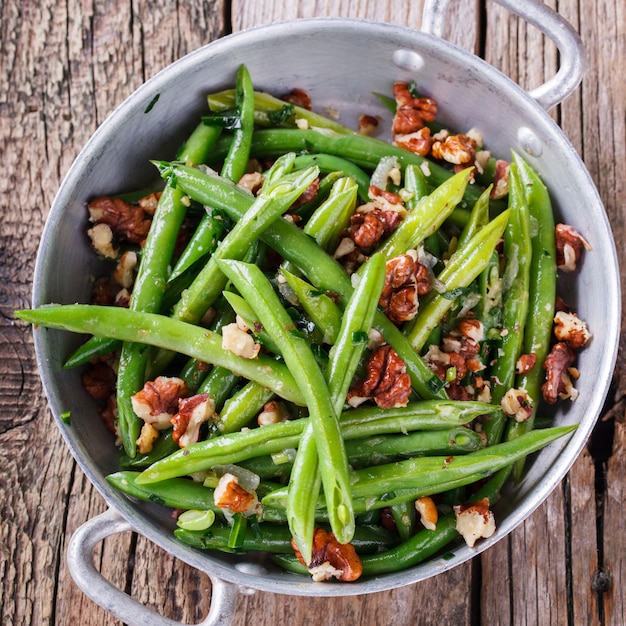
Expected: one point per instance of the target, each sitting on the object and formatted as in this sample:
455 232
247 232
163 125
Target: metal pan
340 63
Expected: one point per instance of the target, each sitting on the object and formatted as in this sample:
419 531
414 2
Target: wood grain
64 67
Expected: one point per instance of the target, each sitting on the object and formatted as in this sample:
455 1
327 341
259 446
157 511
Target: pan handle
122 606
551 24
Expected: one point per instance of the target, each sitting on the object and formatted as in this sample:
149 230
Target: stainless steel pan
340 63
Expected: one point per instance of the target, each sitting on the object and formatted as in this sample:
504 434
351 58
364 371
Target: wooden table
63 69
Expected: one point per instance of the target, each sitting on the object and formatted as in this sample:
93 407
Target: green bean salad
325 346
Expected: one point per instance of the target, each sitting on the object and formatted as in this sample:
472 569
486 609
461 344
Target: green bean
542 294
243 406
219 384
207 234
236 160
333 215
169 334
515 290
203 242
164 446
427 216
414 550
344 358
381 449
265 103
177 493
409 553
328 163
297 354
405 518
93 348
462 269
276 539
273 200
149 288
320 308
383 485
362 150
352 337
147 295
354 423
479 217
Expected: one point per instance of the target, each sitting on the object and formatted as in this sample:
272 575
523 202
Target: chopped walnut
558 382
420 141
569 247
411 113
331 559
368 124
309 194
238 341
157 402
429 515
525 363
387 382
109 415
192 413
102 292
124 274
127 221
570 328
368 227
122 298
455 149
99 380
150 202
474 521
501 180
273 412
298 97
399 297
252 181
101 236
229 494
148 435
518 404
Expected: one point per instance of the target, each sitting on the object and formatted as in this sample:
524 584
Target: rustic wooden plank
613 531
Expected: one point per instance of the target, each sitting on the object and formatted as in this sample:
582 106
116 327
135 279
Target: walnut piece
569 247
568 327
273 412
99 380
298 97
420 141
192 413
501 180
399 297
474 521
239 342
157 402
518 404
124 274
229 494
411 113
148 435
368 227
429 515
558 382
128 222
387 382
456 149
331 559
368 124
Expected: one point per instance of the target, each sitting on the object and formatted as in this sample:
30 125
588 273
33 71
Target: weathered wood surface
63 68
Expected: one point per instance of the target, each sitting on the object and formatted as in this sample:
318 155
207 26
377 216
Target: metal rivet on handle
408 60
530 143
